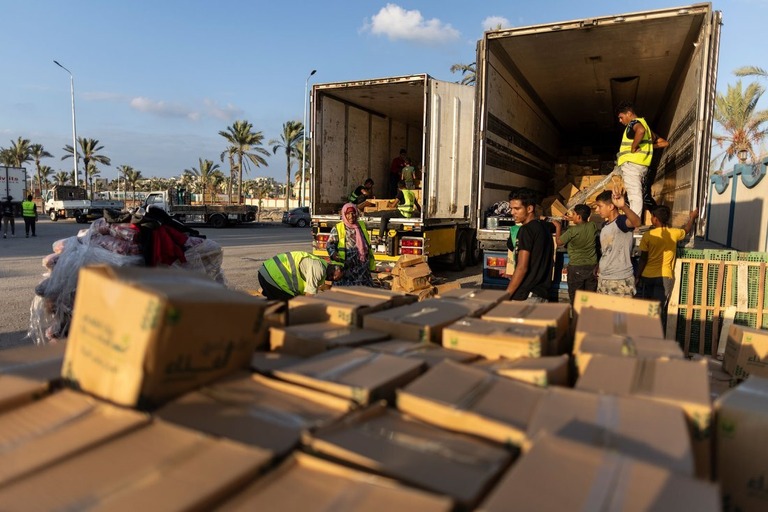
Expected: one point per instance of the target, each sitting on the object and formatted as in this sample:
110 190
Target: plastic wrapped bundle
205 256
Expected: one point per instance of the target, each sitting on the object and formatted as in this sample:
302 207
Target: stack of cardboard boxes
370 404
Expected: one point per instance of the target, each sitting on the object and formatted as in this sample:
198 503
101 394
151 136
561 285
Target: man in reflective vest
406 206
29 213
287 275
361 194
635 154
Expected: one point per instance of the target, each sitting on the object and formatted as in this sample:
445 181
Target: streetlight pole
304 137
74 126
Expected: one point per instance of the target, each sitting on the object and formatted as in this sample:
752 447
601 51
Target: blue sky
156 81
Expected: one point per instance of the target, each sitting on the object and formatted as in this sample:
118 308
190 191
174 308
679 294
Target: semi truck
358 127
13 184
71 202
547 97
177 203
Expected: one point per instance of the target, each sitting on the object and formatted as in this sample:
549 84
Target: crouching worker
362 194
296 273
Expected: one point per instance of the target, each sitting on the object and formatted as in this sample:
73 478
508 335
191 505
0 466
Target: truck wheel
53 216
461 253
217 221
301 223
474 251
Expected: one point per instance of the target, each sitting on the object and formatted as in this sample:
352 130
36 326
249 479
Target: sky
155 81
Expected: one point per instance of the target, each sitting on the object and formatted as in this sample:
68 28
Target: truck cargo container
13 184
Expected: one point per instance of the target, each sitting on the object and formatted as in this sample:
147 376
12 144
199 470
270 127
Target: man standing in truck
635 154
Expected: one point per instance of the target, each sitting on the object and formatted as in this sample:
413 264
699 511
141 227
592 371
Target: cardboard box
553 316
553 207
304 482
356 374
37 362
383 441
256 410
307 340
539 371
39 434
626 346
430 353
719 381
338 308
16 390
416 277
746 352
742 453
558 474
494 340
649 308
396 298
490 297
441 289
422 321
159 467
673 381
470 400
141 336
568 191
409 260
604 322
653 432
266 362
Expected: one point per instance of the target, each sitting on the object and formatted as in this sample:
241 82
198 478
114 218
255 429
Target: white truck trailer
358 127
547 98
13 184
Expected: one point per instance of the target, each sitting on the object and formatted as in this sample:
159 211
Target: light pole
74 126
304 137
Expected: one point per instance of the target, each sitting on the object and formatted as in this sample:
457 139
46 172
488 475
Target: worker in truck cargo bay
350 244
533 250
635 154
296 273
581 240
405 206
362 194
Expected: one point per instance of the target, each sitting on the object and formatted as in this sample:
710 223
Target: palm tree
89 149
61 177
751 71
247 145
17 154
230 152
205 174
43 175
468 73
123 170
38 152
132 176
290 140
90 172
735 112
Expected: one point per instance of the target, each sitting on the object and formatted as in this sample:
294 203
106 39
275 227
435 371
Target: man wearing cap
287 275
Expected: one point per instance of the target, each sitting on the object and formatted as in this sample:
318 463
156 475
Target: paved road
245 248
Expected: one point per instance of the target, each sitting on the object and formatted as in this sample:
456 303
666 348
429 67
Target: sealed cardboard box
408 260
719 381
266 362
540 371
656 433
583 299
496 339
746 352
742 453
141 336
470 400
430 353
674 381
16 390
338 308
627 346
386 442
553 207
356 374
304 482
256 410
39 362
395 297
41 433
441 289
306 340
416 277
568 191
555 317
604 322
421 321
558 474
158 467
491 297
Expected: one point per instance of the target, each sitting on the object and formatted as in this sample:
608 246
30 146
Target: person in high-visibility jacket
287 275
29 213
361 194
405 206
635 154
350 243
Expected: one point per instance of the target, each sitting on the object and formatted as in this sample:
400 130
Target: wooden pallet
723 303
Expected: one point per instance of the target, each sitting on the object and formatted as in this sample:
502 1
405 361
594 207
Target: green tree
744 126
132 176
38 152
89 149
205 175
61 177
17 154
751 71
230 152
44 174
289 142
122 172
247 145
91 172
468 73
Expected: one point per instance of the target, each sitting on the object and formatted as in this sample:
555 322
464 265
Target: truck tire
461 252
217 221
475 255
52 215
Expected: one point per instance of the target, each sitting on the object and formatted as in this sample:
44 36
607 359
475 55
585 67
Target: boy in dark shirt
534 250
581 240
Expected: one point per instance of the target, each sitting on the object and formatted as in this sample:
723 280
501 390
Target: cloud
163 109
209 108
492 22
226 113
396 23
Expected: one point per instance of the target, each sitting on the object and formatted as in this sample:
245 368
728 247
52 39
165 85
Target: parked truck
547 97
177 203
71 202
358 127
13 184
